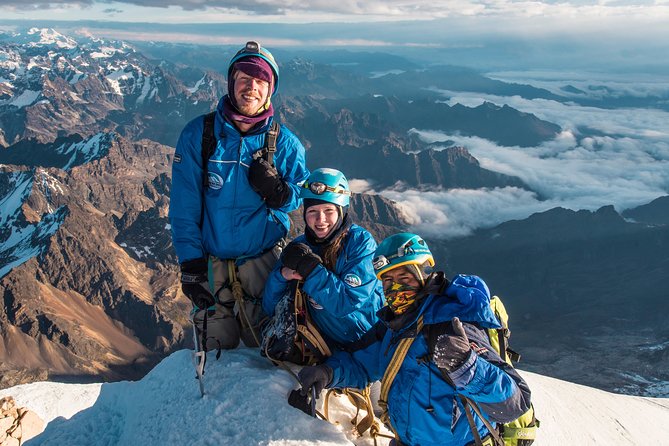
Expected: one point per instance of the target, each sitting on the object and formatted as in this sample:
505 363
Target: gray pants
230 321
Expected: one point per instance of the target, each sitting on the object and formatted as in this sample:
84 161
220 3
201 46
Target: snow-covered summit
48 37
246 404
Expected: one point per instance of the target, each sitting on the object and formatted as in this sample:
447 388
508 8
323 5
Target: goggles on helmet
320 188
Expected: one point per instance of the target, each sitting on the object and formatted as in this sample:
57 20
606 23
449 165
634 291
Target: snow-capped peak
48 36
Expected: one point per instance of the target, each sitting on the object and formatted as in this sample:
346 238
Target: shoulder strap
270 141
431 334
392 369
208 145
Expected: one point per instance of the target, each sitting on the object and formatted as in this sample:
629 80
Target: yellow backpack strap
391 372
308 330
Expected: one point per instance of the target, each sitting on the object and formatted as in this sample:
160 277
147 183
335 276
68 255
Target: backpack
209 144
291 335
522 430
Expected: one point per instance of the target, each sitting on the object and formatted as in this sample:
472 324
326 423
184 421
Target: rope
238 294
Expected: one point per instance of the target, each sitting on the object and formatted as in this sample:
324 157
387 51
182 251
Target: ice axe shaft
199 356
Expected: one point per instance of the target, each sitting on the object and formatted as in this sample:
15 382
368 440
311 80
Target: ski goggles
319 188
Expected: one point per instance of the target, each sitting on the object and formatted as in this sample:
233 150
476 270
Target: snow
197 84
49 36
27 242
24 99
23 242
19 186
146 89
86 150
245 404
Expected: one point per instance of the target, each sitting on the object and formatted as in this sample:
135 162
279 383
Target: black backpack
209 144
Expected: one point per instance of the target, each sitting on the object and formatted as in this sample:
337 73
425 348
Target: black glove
301 258
318 377
266 181
194 283
452 347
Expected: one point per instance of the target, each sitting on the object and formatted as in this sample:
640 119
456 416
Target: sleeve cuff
464 374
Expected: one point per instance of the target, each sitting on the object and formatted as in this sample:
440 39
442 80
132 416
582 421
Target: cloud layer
602 157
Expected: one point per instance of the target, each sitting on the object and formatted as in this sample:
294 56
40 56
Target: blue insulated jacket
343 304
236 223
419 385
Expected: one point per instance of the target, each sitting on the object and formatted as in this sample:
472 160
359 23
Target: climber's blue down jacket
236 223
343 303
422 407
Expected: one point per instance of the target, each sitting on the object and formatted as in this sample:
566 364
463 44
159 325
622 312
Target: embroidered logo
215 181
352 280
177 158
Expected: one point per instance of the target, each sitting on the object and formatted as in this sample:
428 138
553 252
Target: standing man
441 381
235 176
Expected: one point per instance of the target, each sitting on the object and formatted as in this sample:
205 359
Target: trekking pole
199 354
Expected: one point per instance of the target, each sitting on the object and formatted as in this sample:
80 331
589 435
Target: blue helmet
399 250
253 48
329 185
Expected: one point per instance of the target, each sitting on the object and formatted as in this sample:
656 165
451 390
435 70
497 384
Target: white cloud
624 162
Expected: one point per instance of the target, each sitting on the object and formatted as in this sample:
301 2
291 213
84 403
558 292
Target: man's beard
249 109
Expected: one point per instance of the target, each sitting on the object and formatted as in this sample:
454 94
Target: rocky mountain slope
587 291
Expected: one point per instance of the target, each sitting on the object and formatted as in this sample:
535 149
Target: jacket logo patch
215 181
177 158
352 280
315 304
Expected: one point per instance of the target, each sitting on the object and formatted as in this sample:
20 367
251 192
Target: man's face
400 275
400 288
250 93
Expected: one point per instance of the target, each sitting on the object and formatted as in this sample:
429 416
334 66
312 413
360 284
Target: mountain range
87 270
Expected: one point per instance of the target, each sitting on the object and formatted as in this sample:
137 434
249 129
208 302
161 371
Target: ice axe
306 403
199 354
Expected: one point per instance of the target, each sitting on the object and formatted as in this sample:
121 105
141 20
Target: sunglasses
319 188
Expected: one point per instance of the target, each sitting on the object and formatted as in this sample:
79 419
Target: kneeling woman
329 269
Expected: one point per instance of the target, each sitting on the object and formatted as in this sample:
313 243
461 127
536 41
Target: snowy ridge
21 241
18 189
87 150
246 404
25 58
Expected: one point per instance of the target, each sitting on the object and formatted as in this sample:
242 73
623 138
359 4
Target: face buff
400 297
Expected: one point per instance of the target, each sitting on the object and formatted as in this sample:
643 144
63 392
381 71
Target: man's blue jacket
343 303
234 222
422 406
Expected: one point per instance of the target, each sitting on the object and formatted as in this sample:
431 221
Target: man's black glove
301 258
266 181
318 377
452 347
194 283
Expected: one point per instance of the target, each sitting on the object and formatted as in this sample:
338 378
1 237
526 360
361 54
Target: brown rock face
88 304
